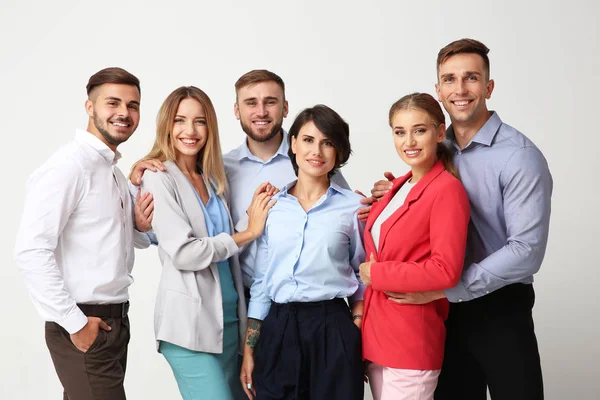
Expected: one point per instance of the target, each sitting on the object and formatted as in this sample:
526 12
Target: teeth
412 152
261 122
316 162
461 103
189 141
119 124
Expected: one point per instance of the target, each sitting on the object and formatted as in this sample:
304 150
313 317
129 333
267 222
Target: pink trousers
401 384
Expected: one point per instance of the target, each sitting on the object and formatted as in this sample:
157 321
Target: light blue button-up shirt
309 256
245 172
509 187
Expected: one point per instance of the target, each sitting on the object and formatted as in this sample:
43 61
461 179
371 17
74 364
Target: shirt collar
486 133
282 150
105 152
333 188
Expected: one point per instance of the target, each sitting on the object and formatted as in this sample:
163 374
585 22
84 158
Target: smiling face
190 130
261 108
416 139
463 88
114 111
315 152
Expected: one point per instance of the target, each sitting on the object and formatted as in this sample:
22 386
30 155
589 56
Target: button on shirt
245 172
309 256
76 239
509 187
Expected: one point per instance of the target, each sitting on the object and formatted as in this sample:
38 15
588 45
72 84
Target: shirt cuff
74 323
359 294
242 224
229 243
258 309
458 293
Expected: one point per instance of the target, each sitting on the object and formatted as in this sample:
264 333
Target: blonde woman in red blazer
416 237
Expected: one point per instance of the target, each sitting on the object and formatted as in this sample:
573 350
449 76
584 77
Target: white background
358 58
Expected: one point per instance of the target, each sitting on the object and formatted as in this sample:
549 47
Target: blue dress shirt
509 187
245 172
309 256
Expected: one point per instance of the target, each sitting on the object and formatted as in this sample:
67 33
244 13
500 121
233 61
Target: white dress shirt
76 239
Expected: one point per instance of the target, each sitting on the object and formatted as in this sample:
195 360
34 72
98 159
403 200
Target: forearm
46 287
513 263
244 237
252 335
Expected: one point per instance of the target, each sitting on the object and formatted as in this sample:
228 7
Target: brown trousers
97 374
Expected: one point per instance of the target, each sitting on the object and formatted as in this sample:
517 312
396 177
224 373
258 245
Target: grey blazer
189 310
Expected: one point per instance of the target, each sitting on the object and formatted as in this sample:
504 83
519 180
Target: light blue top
509 187
244 173
309 256
217 221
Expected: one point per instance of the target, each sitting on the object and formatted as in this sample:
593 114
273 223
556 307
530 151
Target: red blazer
421 248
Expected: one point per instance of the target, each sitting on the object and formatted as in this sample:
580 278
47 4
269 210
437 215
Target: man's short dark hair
465 46
112 75
331 125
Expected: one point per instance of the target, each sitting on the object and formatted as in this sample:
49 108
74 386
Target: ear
437 91
441 131
285 109
89 108
236 110
490 88
293 144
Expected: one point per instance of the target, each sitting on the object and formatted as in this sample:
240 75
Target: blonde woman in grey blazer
200 315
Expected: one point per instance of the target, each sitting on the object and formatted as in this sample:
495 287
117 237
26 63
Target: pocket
100 339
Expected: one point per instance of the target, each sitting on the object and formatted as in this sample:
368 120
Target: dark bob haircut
331 125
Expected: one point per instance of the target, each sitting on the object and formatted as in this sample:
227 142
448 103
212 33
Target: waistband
312 307
105 310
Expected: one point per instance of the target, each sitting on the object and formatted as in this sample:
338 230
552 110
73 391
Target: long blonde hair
210 160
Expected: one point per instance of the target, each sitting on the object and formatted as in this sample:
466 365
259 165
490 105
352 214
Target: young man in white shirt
75 245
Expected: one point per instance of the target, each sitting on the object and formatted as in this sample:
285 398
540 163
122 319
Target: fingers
360 193
261 188
381 188
372 259
246 380
104 326
363 213
158 165
147 204
367 201
389 176
395 295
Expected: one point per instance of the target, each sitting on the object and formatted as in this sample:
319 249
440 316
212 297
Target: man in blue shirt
490 339
260 107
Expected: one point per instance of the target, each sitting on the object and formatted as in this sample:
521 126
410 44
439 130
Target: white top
76 239
391 208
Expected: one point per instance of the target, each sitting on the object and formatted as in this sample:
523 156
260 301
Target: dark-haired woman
303 340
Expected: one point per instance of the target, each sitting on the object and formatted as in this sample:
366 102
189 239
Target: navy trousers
309 351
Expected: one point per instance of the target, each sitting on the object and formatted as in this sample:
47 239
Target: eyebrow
414 126
183 116
119 100
256 99
467 73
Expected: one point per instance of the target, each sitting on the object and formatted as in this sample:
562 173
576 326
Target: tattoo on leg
253 332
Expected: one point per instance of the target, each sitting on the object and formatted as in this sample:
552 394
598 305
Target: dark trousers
97 374
491 342
309 351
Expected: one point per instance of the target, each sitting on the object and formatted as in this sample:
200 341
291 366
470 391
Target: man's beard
104 130
261 139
